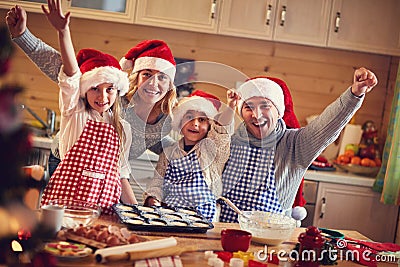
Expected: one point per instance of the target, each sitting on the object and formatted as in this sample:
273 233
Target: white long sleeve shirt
74 117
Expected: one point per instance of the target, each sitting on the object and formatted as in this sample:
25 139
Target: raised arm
226 117
60 22
45 57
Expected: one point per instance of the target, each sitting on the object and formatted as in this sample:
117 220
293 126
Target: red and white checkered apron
89 172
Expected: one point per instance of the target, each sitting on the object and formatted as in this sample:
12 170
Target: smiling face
102 97
152 85
195 126
260 116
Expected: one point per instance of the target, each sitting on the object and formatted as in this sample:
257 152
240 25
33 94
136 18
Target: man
267 160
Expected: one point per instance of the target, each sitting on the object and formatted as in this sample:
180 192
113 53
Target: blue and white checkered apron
249 181
184 186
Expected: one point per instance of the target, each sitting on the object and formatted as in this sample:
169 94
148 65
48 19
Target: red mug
234 240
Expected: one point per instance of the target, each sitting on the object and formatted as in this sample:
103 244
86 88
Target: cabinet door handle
323 208
268 15
213 8
337 22
283 16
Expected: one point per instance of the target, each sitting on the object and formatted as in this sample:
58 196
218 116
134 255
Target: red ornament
311 243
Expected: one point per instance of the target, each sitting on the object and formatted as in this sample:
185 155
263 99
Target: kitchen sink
41 132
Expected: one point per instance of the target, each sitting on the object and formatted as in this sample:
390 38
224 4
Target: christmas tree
20 233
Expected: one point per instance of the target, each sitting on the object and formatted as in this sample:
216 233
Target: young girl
151 95
188 174
91 130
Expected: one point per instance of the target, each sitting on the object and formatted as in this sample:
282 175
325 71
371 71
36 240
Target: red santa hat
197 101
263 87
150 54
97 68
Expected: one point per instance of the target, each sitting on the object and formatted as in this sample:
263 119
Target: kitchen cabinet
199 16
358 25
253 18
106 10
350 207
366 25
293 21
142 171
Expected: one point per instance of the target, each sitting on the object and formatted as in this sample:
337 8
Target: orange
378 162
372 163
350 153
355 160
366 162
343 159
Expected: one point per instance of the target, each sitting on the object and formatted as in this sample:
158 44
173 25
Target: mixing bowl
267 227
77 212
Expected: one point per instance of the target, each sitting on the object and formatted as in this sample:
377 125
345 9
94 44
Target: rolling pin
152 245
148 254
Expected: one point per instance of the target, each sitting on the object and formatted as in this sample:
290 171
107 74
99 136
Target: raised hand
55 15
363 82
232 98
16 21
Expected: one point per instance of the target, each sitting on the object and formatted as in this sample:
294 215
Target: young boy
188 174
283 155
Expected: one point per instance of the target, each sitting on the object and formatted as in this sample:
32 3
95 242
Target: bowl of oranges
353 163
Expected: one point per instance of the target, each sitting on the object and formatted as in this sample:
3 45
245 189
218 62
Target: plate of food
101 236
67 250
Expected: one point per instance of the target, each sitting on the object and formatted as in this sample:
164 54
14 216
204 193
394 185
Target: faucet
51 119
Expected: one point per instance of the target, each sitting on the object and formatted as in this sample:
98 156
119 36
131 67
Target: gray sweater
297 148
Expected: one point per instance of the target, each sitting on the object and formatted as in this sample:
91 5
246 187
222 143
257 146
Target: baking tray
161 219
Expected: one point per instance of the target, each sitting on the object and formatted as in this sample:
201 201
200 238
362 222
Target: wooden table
204 242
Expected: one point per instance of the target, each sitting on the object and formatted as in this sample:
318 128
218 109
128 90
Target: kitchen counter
339 177
42 142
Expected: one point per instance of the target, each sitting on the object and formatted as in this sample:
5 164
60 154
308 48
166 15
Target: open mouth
260 123
151 92
101 104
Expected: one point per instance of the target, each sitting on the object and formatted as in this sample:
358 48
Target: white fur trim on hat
106 74
154 63
196 103
262 87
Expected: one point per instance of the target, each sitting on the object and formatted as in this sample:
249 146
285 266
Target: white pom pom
126 64
299 213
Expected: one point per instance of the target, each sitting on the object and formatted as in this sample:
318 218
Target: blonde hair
165 105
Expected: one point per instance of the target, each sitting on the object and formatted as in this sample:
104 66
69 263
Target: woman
149 100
